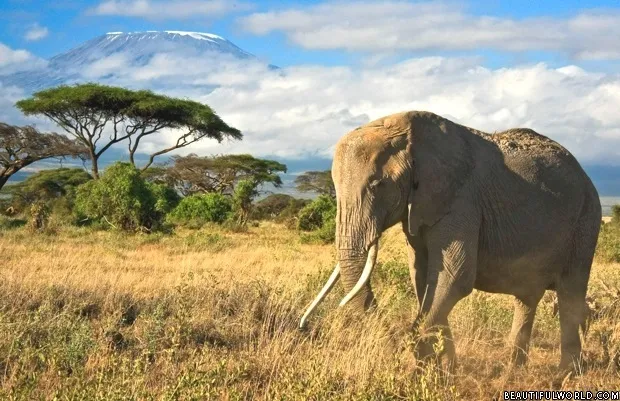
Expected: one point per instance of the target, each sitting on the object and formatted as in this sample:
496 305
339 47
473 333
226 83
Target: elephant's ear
442 164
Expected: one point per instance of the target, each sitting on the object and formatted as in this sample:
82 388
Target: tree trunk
3 180
95 164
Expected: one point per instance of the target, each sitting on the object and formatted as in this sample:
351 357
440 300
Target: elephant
511 212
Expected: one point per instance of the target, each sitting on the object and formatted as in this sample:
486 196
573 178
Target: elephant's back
544 165
517 142
540 160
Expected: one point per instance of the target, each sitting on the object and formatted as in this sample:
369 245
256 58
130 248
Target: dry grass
213 315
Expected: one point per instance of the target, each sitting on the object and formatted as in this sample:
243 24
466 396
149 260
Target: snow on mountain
146 54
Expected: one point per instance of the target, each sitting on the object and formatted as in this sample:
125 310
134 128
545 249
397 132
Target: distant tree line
187 190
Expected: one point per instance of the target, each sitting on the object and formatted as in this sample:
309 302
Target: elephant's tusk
370 264
326 288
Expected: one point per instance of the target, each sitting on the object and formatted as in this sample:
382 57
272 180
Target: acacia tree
319 182
193 174
101 116
22 146
190 122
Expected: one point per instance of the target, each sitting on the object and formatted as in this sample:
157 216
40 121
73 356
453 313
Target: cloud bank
375 26
18 60
302 111
169 10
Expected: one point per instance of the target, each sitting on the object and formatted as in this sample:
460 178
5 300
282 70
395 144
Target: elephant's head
379 182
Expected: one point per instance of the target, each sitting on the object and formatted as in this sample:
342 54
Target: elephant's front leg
452 257
418 264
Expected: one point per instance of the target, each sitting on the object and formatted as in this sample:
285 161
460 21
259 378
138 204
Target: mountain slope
135 49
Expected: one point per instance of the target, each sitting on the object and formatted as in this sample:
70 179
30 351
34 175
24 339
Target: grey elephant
512 213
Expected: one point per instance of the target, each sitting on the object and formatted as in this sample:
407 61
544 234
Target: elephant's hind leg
522 322
572 307
571 288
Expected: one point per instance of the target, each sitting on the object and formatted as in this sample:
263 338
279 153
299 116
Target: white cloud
36 32
301 111
175 68
17 60
173 9
106 65
419 26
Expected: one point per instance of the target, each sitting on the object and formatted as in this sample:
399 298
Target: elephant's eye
374 183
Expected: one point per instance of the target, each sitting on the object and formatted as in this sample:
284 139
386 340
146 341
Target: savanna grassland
213 314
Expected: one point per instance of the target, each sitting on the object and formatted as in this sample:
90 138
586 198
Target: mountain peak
195 35
136 49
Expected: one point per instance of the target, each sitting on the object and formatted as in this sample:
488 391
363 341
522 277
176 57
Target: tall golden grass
212 314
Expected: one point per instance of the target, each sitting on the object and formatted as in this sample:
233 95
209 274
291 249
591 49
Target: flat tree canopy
193 174
319 182
100 116
22 146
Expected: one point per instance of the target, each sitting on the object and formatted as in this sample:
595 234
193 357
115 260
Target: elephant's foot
572 362
437 348
518 356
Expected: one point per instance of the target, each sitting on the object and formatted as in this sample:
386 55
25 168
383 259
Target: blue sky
552 66
69 23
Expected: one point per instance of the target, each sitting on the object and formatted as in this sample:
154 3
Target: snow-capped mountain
102 58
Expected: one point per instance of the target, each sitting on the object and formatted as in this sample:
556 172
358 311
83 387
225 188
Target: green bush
121 198
319 216
278 207
9 223
608 246
324 235
6 208
245 192
615 214
56 188
200 209
166 198
316 214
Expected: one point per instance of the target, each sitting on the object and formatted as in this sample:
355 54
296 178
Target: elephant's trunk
357 246
356 241
353 265
364 278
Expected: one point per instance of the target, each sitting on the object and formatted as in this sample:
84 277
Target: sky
550 65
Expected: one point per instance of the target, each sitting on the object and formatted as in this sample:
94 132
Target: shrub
271 206
39 216
278 207
615 214
314 215
318 216
56 188
6 209
608 246
203 208
245 192
121 198
9 223
166 198
324 235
